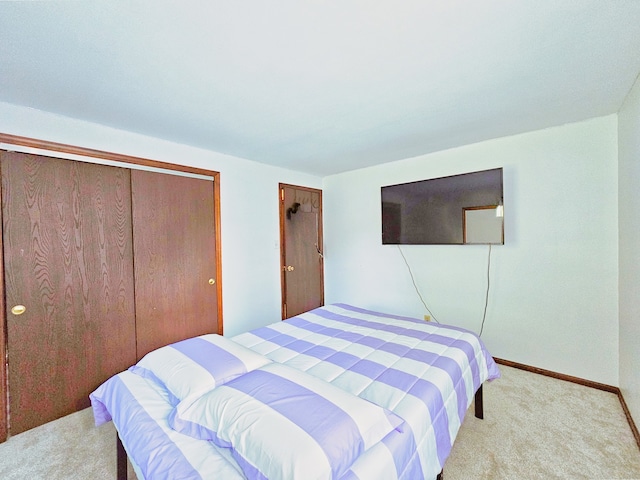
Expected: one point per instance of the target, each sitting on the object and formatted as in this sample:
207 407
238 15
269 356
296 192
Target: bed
337 392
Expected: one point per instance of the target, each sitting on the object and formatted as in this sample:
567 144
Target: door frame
281 187
71 152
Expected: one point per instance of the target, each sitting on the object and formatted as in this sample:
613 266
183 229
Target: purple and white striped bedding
139 408
281 423
426 374
192 367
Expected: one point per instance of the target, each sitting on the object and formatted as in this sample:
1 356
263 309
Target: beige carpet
534 427
539 427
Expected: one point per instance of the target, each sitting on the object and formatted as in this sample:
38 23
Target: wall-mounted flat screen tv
457 210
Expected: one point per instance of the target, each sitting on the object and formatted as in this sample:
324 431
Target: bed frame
121 454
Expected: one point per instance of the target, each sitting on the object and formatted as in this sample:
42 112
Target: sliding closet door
175 258
69 283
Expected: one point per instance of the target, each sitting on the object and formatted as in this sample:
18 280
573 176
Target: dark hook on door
292 209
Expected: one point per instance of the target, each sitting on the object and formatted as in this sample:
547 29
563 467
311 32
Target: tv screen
457 210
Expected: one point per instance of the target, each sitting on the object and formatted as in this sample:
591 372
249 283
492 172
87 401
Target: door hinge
282 194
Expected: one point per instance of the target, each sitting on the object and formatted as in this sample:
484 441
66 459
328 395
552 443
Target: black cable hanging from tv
416 286
486 298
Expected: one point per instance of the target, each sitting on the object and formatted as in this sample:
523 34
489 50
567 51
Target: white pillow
282 423
192 367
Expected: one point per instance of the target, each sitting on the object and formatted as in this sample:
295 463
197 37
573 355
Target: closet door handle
18 309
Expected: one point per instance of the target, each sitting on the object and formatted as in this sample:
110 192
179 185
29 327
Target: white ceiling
321 86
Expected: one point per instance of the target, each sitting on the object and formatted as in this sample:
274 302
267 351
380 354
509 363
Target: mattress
425 374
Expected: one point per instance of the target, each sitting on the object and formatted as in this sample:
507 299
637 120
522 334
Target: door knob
288 268
18 309
212 281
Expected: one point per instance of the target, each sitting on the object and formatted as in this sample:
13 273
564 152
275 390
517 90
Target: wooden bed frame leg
478 406
121 459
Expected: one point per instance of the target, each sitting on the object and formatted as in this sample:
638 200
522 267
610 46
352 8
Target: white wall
553 302
629 211
554 284
249 206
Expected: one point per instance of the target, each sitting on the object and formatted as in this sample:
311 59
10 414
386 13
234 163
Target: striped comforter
426 374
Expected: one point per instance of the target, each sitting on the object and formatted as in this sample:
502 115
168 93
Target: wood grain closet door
175 252
68 260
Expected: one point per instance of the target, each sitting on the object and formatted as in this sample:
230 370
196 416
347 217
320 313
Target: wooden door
68 261
175 258
302 263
